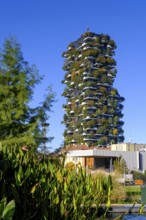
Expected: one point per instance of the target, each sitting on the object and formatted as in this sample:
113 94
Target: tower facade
93 108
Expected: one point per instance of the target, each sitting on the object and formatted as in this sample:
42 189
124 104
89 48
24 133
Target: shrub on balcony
104 78
110 61
103 90
115 131
110 120
90 102
116 119
96 73
104 109
101 130
105 38
102 70
101 141
100 59
112 43
90 52
114 92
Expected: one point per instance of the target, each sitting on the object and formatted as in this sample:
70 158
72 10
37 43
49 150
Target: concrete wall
127 147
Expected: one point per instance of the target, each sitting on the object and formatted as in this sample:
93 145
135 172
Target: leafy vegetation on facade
94 107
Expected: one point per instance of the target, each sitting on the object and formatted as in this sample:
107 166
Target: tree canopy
21 124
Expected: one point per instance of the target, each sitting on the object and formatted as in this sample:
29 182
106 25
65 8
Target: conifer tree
19 123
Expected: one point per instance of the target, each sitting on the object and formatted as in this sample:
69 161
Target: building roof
84 147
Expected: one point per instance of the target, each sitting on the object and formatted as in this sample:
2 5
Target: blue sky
44 28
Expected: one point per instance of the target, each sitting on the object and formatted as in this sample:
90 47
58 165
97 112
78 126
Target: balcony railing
90 129
90 97
90 87
89 78
69 132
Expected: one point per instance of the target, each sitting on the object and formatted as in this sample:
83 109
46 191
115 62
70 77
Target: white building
95 158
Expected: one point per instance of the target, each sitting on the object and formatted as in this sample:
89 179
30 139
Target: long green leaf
9 210
2 206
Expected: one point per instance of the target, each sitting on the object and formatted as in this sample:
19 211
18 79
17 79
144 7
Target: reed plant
43 188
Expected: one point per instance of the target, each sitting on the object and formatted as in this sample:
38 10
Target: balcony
80 84
113 135
68 95
110 75
90 97
84 134
98 93
94 68
82 65
69 48
69 103
104 84
88 38
107 115
98 64
90 87
72 83
69 75
73 141
88 47
91 108
84 103
83 44
85 73
89 118
65 55
89 78
109 46
89 58
110 66
81 114
90 129
69 132
90 139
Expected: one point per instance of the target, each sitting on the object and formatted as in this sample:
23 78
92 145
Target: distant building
128 147
104 157
93 109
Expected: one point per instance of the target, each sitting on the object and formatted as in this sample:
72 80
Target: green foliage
139 175
7 210
19 123
134 189
44 189
120 166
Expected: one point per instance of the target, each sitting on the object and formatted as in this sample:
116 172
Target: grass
133 189
133 193
120 193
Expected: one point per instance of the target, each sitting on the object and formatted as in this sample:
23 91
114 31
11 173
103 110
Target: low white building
104 157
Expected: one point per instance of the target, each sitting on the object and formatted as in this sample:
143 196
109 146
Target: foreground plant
7 210
43 188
